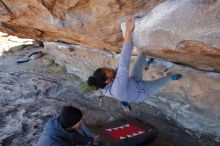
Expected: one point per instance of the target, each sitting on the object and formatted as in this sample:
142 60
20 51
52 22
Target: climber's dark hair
69 116
98 79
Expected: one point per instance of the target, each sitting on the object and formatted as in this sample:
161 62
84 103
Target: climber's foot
176 77
126 107
148 62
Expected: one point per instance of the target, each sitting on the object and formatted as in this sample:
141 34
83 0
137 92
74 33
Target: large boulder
185 32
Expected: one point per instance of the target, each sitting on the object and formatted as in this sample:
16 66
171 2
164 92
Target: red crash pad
125 132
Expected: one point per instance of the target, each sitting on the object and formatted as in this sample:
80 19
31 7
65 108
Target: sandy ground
33 92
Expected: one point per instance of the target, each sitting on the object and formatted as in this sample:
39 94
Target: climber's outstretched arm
121 80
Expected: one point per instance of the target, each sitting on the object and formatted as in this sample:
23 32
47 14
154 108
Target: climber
118 84
64 130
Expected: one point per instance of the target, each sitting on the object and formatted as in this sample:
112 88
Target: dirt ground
33 92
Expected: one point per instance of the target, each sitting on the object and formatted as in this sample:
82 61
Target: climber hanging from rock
118 84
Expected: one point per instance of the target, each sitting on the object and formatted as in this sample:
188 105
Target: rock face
89 22
185 32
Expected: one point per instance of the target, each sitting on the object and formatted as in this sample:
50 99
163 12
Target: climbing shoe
149 61
176 77
126 107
